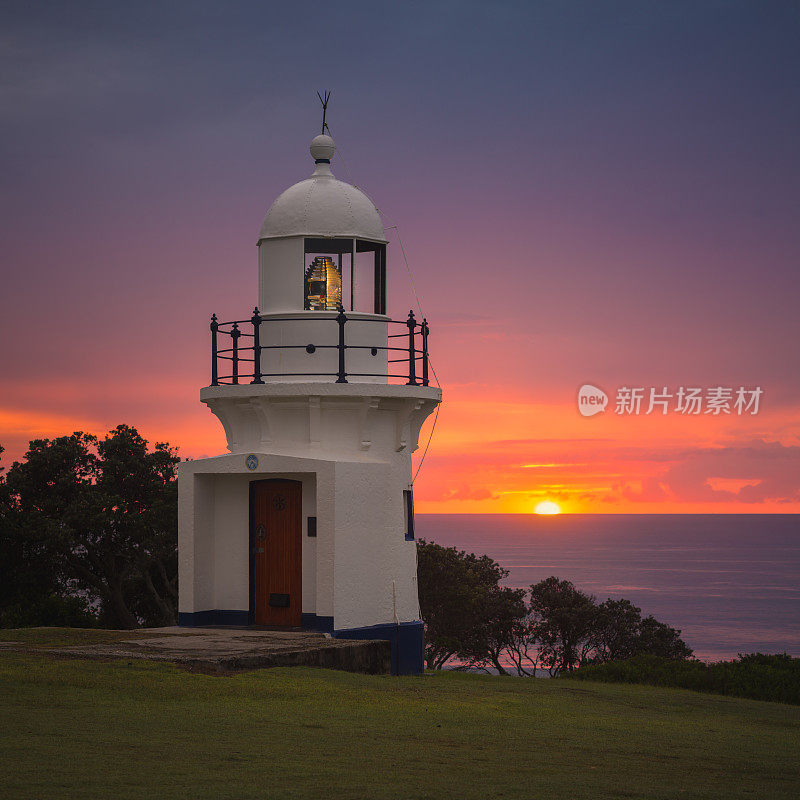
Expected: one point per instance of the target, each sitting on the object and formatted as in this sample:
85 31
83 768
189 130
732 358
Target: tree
561 622
615 633
34 586
468 615
106 512
621 633
455 595
522 648
498 623
657 639
570 629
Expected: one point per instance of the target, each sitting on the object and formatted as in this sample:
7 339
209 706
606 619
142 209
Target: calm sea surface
730 583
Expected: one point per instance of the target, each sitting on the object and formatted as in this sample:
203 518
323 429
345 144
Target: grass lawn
87 729
71 637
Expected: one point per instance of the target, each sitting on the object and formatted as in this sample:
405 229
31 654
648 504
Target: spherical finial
322 148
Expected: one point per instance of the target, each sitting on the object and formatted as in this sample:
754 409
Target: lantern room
322 245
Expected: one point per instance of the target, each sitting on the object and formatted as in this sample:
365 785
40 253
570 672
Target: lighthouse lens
323 285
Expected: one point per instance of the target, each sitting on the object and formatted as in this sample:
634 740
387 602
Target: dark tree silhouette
34 586
103 513
469 616
501 614
561 623
459 594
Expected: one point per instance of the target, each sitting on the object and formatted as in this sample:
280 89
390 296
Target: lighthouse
307 522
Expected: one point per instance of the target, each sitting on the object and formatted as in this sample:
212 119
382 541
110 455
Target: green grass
70 637
73 728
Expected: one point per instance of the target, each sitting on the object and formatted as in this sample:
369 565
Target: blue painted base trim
408 643
199 619
312 622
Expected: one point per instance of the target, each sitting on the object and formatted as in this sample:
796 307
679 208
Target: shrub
756 676
52 611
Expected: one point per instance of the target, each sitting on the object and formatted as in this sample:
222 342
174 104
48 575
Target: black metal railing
238 354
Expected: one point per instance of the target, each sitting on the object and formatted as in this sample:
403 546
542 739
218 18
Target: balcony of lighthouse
355 393
320 346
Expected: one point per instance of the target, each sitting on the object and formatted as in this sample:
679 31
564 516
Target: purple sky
616 186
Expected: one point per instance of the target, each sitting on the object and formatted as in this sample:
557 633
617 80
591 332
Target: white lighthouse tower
308 520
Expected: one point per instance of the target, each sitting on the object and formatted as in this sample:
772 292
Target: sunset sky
601 193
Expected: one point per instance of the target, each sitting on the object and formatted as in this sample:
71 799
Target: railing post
412 355
214 329
256 320
235 334
424 352
341 319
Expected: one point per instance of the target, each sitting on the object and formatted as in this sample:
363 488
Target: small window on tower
408 503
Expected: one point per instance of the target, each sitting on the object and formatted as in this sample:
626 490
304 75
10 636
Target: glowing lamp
323 285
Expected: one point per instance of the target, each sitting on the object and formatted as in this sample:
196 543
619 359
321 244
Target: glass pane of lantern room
364 296
370 277
326 270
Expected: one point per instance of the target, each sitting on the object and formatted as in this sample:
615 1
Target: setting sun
547 507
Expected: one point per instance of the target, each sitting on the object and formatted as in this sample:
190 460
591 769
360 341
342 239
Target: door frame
251 611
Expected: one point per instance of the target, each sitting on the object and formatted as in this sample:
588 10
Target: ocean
729 582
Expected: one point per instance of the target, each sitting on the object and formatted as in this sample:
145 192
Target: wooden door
276 546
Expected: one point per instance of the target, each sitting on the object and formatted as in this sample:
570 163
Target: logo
685 400
591 400
251 462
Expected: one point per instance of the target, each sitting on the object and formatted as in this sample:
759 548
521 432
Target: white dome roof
322 205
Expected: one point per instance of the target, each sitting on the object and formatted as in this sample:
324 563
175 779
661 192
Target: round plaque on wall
251 462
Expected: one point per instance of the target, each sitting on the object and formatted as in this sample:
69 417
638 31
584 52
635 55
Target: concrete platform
233 649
